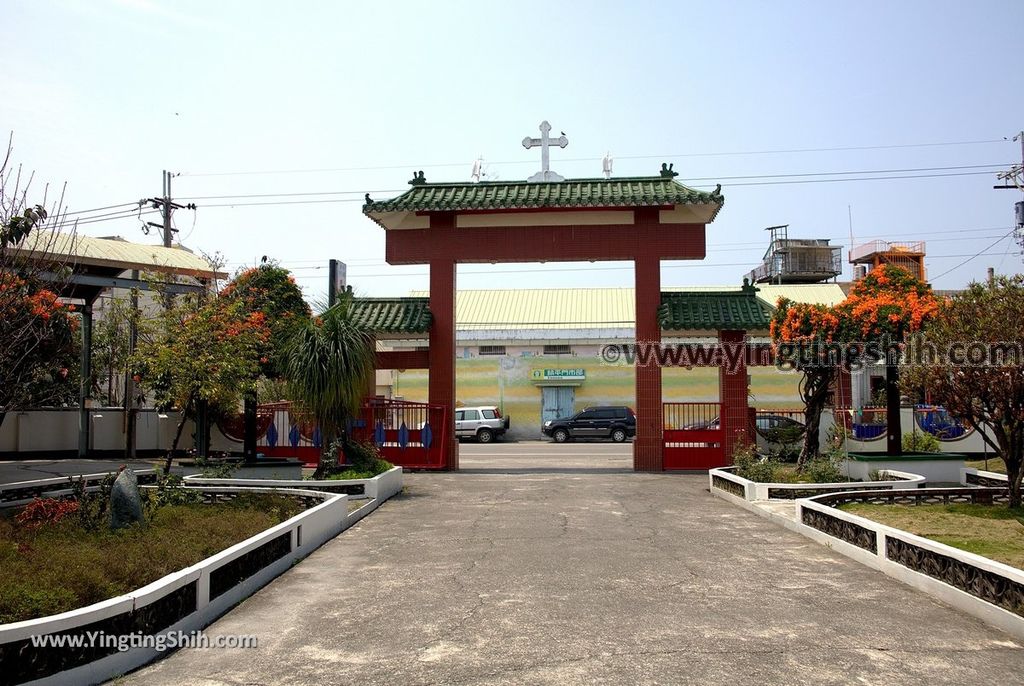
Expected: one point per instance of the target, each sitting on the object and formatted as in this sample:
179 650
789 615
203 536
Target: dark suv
615 422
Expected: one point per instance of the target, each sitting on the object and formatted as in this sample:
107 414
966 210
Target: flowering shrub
40 345
43 511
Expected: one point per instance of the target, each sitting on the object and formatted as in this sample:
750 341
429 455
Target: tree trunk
177 434
1012 457
249 424
894 424
814 389
174 444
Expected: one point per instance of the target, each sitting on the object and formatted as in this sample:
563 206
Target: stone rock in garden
125 500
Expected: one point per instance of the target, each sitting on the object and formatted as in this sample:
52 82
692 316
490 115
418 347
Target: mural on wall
513 383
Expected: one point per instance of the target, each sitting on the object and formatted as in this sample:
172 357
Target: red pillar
843 391
441 380
649 446
733 393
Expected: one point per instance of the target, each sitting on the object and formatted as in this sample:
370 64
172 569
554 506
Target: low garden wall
185 601
382 486
724 480
24 492
989 590
970 476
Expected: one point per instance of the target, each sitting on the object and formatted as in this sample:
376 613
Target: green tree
988 396
203 352
326 364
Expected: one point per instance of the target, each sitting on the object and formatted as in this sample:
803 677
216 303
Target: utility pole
1013 178
167 205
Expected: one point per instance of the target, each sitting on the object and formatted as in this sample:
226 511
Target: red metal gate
693 436
408 434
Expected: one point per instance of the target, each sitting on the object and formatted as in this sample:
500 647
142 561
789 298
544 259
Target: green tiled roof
713 310
392 315
504 195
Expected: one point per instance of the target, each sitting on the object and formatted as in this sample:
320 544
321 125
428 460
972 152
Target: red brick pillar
441 379
371 379
733 394
843 391
649 447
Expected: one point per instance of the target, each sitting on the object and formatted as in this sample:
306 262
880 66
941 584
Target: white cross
545 141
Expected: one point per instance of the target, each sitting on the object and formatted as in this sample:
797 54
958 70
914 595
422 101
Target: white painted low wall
382 486
306 531
41 431
878 559
23 492
945 470
970 443
754 490
970 476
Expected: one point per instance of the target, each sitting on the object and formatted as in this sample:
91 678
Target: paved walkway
585 573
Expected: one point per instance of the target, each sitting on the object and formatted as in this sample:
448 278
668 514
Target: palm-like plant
327 363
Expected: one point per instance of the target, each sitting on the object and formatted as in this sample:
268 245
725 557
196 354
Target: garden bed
63 566
993 531
725 480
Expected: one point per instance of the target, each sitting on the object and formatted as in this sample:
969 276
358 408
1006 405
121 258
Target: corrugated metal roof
116 253
589 308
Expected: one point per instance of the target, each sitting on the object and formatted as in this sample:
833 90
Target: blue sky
105 94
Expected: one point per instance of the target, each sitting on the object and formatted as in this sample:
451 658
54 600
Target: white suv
482 423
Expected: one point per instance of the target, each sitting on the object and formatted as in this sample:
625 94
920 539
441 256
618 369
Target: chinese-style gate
641 219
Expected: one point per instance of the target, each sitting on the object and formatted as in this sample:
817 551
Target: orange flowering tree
38 332
882 310
204 352
272 290
804 335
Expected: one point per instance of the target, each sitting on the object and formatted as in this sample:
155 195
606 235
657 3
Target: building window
492 350
557 350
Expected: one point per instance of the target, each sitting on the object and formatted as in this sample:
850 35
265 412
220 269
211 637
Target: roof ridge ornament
666 171
545 141
418 179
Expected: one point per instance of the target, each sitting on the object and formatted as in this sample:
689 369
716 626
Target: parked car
777 428
615 422
482 423
709 424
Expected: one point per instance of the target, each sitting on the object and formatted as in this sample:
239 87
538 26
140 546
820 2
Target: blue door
557 401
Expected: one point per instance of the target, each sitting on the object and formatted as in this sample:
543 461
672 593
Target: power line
978 254
703 178
724 185
99 209
591 159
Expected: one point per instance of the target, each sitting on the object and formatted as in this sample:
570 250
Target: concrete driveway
544 564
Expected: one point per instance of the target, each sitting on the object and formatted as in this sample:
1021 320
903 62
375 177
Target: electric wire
591 159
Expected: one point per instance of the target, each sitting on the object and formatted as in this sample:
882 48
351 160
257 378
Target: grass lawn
995 531
995 464
60 567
